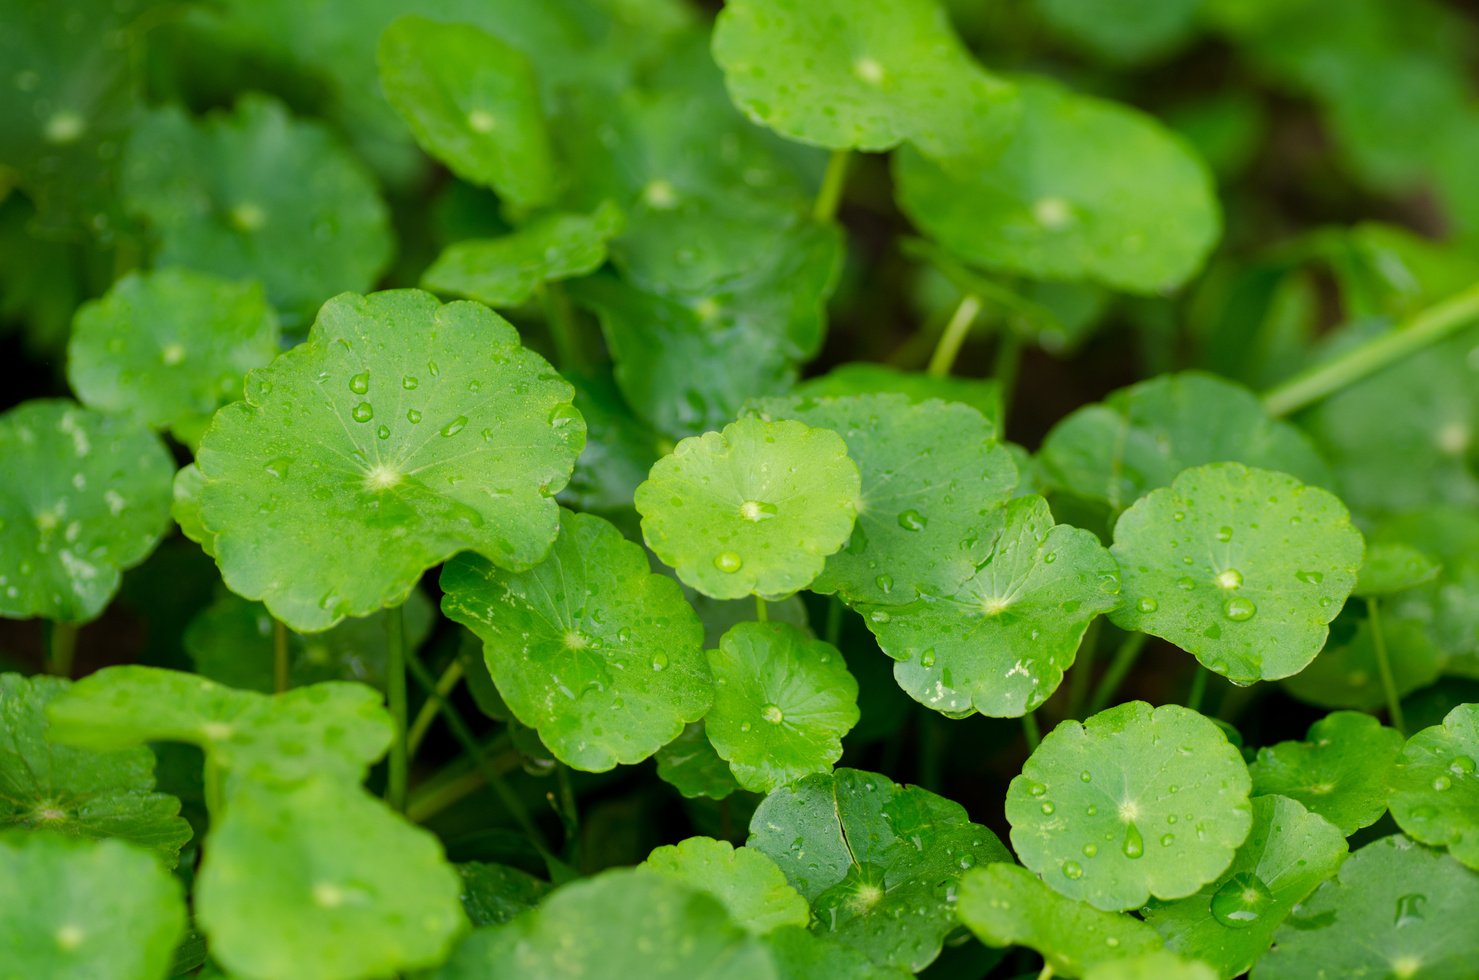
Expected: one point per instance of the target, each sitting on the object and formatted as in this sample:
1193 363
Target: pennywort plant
805 489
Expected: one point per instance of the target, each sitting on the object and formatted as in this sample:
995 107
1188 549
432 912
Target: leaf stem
762 610
61 649
440 792
428 711
1083 671
569 815
943 359
1384 666
833 182
1124 659
1198 691
1046 973
1004 370
279 656
834 621
1427 327
395 695
561 324
1031 731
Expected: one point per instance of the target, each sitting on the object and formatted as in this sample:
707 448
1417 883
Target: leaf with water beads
746 882
1230 922
1243 568
84 496
1434 793
910 455
402 432
782 702
600 655
1339 771
1007 905
1136 802
1391 912
691 766
756 508
1001 640
877 861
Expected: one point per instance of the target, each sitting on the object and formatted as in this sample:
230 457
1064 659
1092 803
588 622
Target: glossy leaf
494 893
746 882
1434 792
1339 771
690 765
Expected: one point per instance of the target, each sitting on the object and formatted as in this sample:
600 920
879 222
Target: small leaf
619 448
1160 964
1347 673
745 881
782 702
1339 771
1434 792
691 766
1242 568
1140 30
494 893
867 378
756 508
1136 802
1391 567
1448 607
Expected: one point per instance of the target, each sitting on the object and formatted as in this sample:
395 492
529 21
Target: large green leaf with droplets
402 432
1007 905
1348 672
1141 437
1243 568
1340 771
745 881
1087 190
756 508
1000 641
782 702
1434 788
170 347
690 765
1390 913
1230 922
932 474
1136 802
600 655
74 908
862 76
77 792
879 862
83 497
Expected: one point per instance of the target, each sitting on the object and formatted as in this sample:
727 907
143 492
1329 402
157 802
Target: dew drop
728 561
1238 609
455 426
660 662
1241 900
912 520
1147 605
1086 776
756 511
1047 808
773 714
410 382
1441 784
885 583
1224 533
745 726
279 466
927 658
1230 578
1461 765
1410 909
360 383
1167 840
1134 845
1036 789
1072 870
1310 578
1186 583
413 416
1090 850
383 432
362 412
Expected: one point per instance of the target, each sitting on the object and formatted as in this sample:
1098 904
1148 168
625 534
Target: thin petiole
1030 731
61 649
1198 692
395 696
943 359
279 656
1119 667
428 711
1384 666
833 182
1083 671
762 610
561 324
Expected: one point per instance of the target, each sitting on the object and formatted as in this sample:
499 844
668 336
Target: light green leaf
1135 802
1141 437
1390 913
1339 771
867 378
1133 31
1230 923
601 656
402 432
782 702
1347 673
1448 606
258 195
745 881
1158 965
1087 190
1434 792
76 792
756 508
1007 905
73 908
1392 566
909 455
877 861
1000 642
1242 568
507 271
185 507
354 889
472 101
83 497
691 766
494 893
866 77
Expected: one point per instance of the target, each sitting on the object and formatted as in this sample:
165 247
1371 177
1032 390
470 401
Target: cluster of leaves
263 244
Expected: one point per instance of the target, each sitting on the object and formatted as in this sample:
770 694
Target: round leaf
1447 607
745 881
756 508
1434 792
1339 771
1137 31
1133 803
1391 567
1347 673
1242 568
399 434
691 766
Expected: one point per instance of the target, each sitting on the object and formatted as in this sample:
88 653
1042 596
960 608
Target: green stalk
1008 359
1083 671
1031 731
762 610
428 711
1430 326
1198 691
833 182
61 649
834 620
561 324
395 694
569 815
441 791
1119 667
1046 973
1384 665
943 359
279 656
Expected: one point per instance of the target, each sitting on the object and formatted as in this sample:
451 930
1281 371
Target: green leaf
85 496
1087 190
76 792
756 508
798 954
877 861
170 347
1135 802
909 455
1448 606
258 195
1392 566
862 77
1347 673
185 507
402 432
1339 771
1136 30
866 378
1230 923
1158 965
1141 437
619 448
472 101
1242 568
507 271
601 656
782 702
354 890
1000 641
73 908
745 881
1390 913
1007 905
494 893
1434 792
690 765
